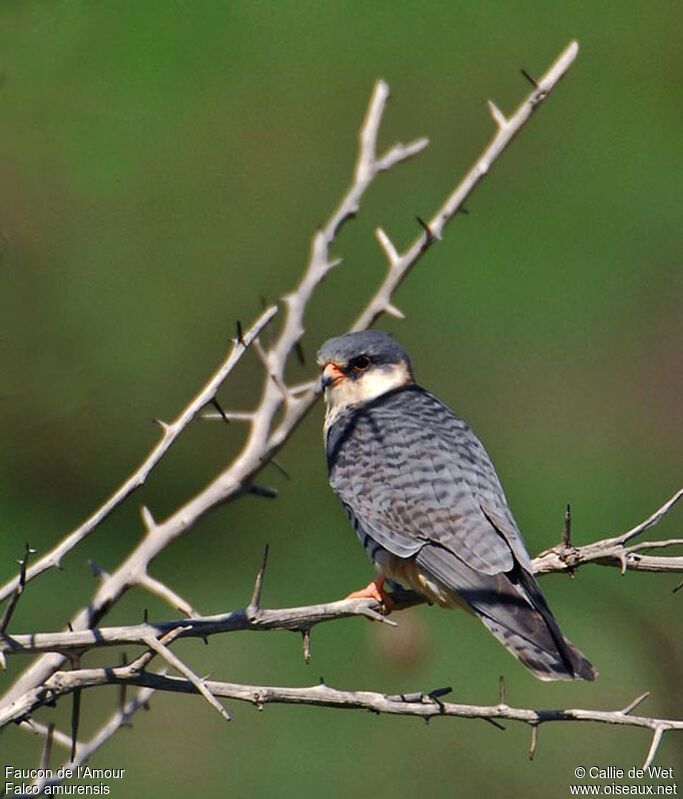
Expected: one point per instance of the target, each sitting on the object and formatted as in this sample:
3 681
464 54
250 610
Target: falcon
427 505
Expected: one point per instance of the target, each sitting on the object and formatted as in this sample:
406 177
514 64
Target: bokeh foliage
162 166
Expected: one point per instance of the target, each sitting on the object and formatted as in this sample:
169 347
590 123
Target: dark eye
360 364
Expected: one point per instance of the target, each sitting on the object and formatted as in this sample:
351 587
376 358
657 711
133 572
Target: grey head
359 367
379 347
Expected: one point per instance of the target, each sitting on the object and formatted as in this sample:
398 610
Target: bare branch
561 558
422 705
253 617
170 433
86 749
507 129
156 637
387 245
34 727
534 741
498 116
47 747
634 704
174 661
652 520
163 591
306 643
302 619
614 551
265 437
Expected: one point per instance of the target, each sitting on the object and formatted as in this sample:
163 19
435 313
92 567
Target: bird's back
419 485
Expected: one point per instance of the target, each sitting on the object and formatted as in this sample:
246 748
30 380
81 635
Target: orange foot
374 590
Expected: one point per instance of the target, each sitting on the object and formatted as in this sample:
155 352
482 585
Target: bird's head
358 367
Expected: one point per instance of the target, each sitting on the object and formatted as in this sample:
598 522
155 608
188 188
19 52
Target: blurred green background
162 167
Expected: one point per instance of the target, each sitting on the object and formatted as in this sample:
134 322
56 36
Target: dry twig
425 706
169 434
616 551
86 749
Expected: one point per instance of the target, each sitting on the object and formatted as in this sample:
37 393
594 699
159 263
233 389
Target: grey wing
413 473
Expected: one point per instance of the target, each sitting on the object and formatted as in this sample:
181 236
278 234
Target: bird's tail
512 607
547 663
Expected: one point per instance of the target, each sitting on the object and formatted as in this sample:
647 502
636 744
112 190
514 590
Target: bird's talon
375 590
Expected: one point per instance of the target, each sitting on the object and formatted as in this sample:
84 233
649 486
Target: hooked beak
331 376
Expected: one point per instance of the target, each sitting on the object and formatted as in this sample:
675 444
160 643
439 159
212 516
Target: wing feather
413 473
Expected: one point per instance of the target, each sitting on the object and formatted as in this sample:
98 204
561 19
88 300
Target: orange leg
374 590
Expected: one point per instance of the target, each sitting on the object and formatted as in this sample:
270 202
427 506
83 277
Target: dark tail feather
575 661
512 607
546 665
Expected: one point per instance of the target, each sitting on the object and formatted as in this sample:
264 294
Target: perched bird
427 505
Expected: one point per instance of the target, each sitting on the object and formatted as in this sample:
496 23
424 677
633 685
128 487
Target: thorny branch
423 705
269 425
121 717
169 434
265 434
18 591
157 637
616 551
253 617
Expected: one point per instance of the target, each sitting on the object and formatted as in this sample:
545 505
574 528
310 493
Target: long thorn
531 80
220 410
306 642
75 721
12 604
428 231
534 741
276 463
656 740
255 601
633 705
567 527
123 686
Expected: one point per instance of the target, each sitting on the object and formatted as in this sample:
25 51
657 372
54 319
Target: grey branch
121 717
157 637
169 434
617 551
297 619
422 705
400 264
264 438
562 558
268 428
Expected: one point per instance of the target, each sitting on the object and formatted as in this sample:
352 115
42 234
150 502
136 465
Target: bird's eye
360 364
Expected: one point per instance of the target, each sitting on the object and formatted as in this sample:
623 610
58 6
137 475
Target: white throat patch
364 388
